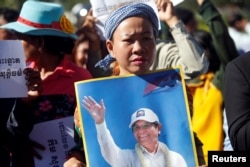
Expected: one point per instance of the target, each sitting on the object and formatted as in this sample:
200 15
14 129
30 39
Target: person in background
7 15
188 17
239 30
88 32
47 36
207 89
131 32
183 51
148 152
80 52
34 86
227 146
237 97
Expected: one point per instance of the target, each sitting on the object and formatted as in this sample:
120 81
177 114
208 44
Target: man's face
146 133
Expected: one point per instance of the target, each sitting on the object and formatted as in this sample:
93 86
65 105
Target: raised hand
200 2
166 12
97 111
33 83
89 30
75 161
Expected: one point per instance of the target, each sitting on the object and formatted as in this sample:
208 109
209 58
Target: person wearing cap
47 37
146 128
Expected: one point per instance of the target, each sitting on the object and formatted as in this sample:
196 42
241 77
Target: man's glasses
145 126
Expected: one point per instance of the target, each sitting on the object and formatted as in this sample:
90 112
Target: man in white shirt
239 30
148 152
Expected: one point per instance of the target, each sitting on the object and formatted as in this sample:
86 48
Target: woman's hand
74 162
97 111
89 30
166 12
33 83
200 2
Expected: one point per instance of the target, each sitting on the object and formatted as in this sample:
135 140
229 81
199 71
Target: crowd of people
58 55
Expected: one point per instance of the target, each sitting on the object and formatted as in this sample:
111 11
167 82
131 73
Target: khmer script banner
12 64
103 8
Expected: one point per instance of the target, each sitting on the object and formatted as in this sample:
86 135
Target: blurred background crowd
88 49
77 9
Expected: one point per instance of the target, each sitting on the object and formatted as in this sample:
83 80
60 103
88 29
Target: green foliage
11 3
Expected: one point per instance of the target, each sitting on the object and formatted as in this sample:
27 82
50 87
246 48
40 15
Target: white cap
144 114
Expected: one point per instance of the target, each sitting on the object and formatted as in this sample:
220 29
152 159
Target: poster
12 64
161 91
58 140
103 8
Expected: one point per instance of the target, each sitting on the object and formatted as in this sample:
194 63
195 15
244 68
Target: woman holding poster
131 33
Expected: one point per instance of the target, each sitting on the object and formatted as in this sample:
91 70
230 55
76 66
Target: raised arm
97 111
185 52
110 151
223 43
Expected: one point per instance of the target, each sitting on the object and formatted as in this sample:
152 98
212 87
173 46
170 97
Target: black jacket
237 101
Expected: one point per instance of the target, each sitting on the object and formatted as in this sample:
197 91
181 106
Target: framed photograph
161 91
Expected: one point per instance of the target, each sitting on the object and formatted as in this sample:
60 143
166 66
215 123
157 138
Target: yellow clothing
207 120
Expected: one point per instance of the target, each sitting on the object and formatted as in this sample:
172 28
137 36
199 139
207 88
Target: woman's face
81 55
31 46
133 45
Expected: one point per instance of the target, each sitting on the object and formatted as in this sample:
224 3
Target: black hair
205 40
183 14
234 18
58 45
155 124
9 14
